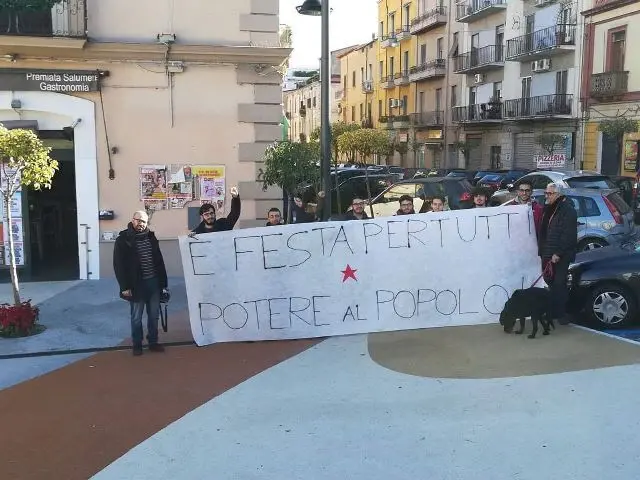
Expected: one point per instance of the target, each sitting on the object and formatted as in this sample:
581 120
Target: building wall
360 62
224 108
309 96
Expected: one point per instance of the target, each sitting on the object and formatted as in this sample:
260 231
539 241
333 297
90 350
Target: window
344 82
392 24
381 32
455 44
353 78
353 113
405 62
440 48
381 71
497 90
391 66
616 47
362 78
420 102
423 54
590 208
454 96
561 82
405 101
369 108
361 111
380 110
314 101
438 99
308 103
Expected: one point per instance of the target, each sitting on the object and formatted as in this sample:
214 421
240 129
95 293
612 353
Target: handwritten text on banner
340 278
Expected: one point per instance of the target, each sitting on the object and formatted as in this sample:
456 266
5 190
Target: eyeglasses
406 204
548 194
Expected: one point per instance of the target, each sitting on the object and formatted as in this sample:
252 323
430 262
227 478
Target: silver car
569 179
604 218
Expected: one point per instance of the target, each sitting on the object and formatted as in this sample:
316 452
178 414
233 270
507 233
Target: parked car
454 190
604 218
357 187
629 191
491 181
540 179
468 174
604 284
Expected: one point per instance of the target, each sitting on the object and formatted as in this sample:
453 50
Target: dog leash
548 268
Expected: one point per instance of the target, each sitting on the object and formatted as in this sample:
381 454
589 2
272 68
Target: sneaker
156 347
137 351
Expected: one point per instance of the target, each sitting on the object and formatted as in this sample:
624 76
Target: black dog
530 302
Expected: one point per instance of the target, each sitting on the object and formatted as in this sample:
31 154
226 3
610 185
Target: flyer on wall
18 249
153 182
180 188
15 231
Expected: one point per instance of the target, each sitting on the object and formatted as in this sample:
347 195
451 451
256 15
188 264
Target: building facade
610 86
358 100
159 112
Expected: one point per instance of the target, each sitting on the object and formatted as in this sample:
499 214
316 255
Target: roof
347 50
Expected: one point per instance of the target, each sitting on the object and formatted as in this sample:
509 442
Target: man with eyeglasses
406 205
524 197
209 222
357 210
557 246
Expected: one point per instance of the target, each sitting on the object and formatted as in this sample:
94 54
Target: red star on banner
348 273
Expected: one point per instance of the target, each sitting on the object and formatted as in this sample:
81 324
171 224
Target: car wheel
591 244
612 306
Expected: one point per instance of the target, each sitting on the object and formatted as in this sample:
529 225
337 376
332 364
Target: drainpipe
448 111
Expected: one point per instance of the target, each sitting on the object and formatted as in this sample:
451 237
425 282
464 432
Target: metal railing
427 119
478 57
430 65
402 75
68 18
547 38
539 106
471 8
423 21
609 83
367 86
478 113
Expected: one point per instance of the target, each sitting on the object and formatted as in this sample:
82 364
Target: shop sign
58 81
545 162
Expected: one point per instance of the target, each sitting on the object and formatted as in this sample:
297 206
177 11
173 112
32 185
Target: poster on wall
210 185
18 249
630 155
153 186
15 230
180 188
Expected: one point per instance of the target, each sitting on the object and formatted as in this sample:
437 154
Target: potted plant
24 163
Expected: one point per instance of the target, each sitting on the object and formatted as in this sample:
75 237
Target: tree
549 141
290 166
337 129
24 162
402 148
618 126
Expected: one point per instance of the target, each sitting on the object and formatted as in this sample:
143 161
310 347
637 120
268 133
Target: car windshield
619 203
491 178
591 182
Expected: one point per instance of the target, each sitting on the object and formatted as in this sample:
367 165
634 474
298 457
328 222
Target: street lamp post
316 7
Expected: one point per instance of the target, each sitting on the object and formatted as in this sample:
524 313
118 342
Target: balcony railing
484 112
401 121
433 68
387 82
427 119
479 59
386 121
403 33
367 86
476 9
388 40
401 78
609 84
540 106
429 20
541 42
65 19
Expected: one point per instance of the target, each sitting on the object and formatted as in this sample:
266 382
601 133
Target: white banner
340 278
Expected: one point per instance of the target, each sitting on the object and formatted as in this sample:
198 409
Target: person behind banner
141 274
557 247
209 222
437 204
406 205
274 217
357 211
525 189
480 197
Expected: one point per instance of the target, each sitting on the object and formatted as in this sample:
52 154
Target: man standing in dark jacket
557 245
209 223
142 276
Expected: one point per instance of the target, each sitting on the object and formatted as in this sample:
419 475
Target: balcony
429 20
389 40
543 43
403 33
543 106
480 113
609 84
432 69
479 59
62 26
401 121
387 82
427 119
386 122
401 78
367 86
468 12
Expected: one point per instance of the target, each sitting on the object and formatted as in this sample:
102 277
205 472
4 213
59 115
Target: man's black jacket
559 231
222 224
126 262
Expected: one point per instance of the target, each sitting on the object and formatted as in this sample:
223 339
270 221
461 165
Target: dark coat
300 215
126 262
350 216
559 231
223 224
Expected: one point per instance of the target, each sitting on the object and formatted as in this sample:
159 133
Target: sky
351 22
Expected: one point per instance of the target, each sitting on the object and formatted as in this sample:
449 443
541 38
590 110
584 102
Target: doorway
53 219
611 154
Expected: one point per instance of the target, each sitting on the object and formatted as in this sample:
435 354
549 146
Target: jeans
149 297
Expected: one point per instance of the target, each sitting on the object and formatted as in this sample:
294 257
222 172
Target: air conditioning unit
479 77
541 65
394 102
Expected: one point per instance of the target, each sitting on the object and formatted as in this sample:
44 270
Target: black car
605 285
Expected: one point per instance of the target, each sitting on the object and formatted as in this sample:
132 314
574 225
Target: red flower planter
19 320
